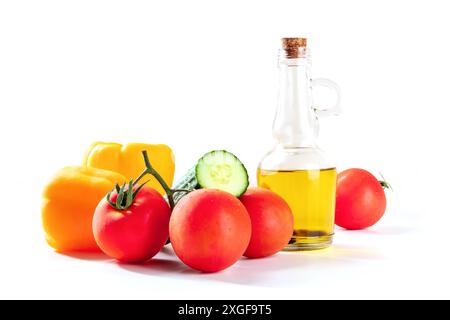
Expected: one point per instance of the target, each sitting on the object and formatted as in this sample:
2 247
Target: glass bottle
296 168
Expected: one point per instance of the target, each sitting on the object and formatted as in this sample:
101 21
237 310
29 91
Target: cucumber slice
222 170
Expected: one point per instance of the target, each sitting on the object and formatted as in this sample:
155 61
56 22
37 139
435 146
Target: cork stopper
294 47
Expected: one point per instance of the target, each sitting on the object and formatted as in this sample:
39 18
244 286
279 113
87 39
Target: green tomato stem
143 174
384 183
150 170
129 195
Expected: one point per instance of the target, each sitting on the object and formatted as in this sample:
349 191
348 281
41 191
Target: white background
201 75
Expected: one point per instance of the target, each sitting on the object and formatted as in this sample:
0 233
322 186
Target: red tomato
135 234
272 222
360 199
209 230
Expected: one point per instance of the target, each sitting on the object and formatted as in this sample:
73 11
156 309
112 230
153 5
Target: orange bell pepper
127 160
70 200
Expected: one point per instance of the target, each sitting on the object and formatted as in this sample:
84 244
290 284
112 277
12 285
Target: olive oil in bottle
296 168
310 195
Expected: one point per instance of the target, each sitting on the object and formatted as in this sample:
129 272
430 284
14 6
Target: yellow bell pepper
127 160
70 199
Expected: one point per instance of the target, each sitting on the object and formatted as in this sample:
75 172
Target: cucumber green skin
188 181
237 159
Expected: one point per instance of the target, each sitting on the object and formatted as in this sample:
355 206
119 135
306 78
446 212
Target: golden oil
311 197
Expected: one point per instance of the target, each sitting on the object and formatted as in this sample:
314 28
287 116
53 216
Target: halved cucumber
222 170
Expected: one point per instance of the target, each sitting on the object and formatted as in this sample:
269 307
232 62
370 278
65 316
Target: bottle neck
295 124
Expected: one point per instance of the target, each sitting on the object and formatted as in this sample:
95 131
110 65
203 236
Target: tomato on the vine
132 232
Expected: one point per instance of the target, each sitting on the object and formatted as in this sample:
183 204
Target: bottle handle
336 108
